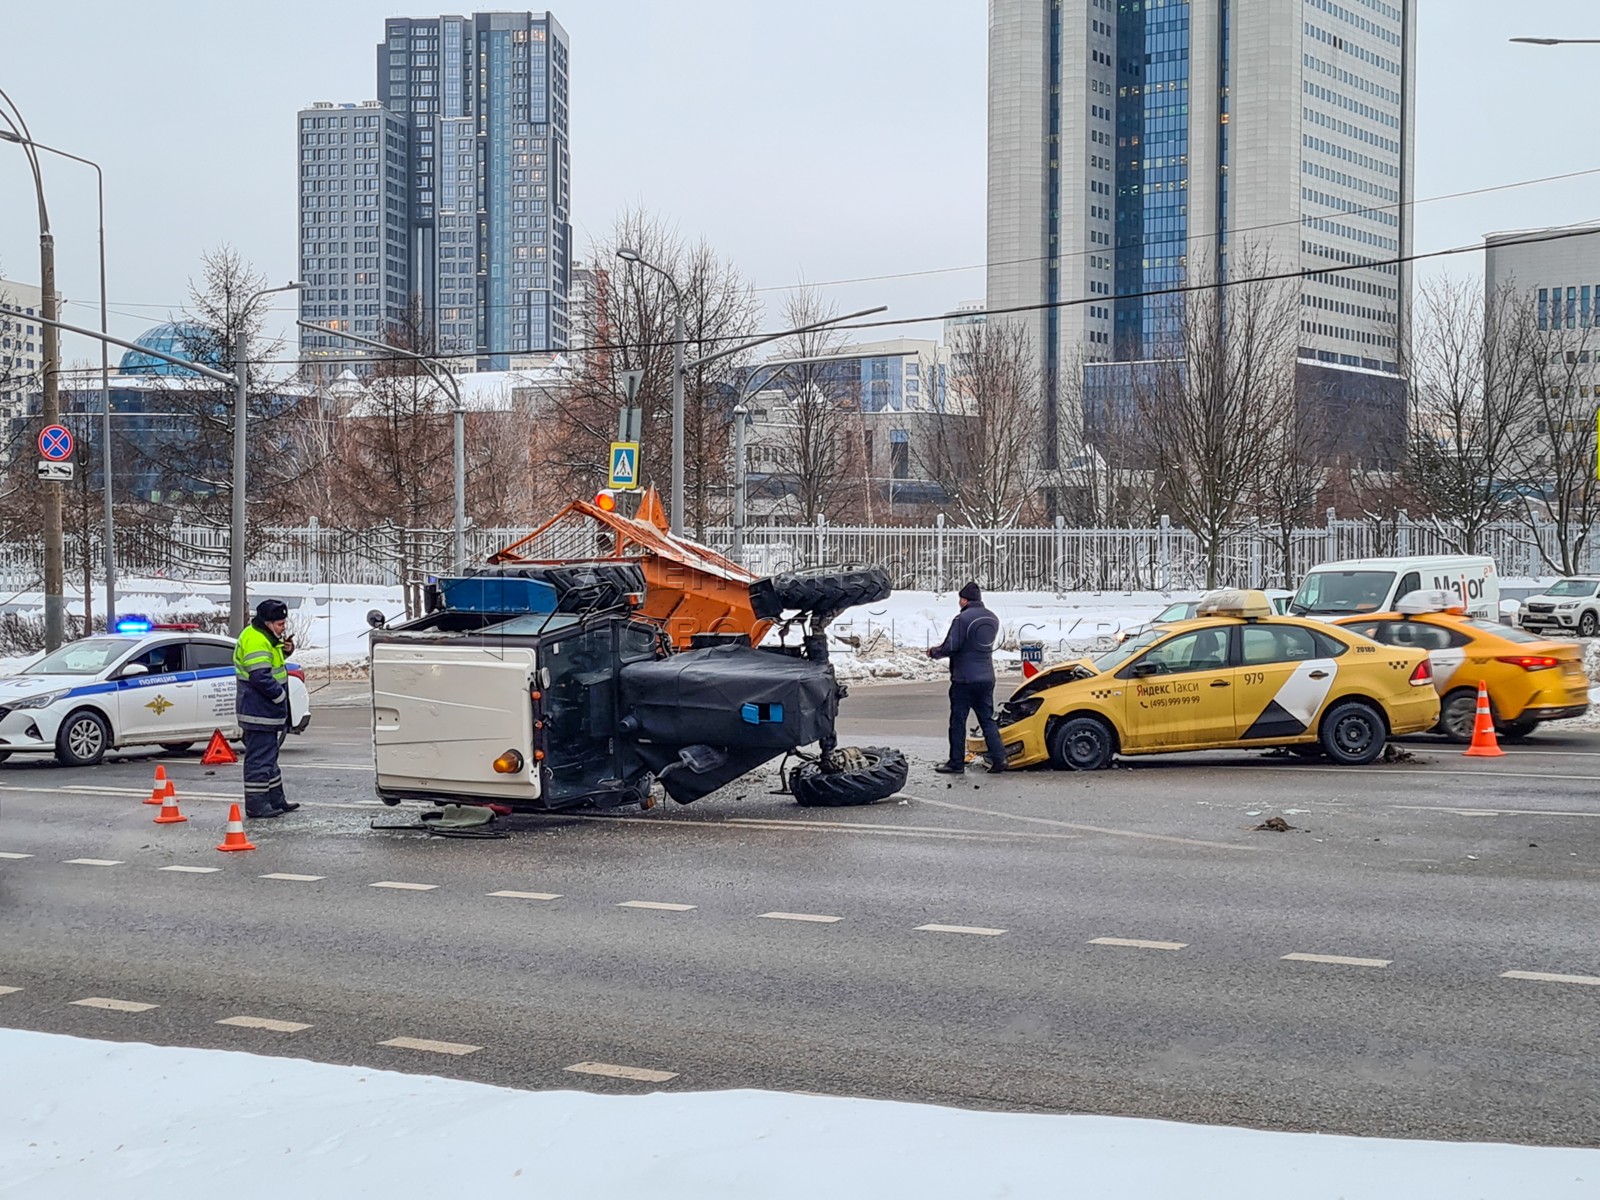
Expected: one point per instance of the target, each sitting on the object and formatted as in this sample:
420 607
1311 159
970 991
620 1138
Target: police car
1235 676
142 685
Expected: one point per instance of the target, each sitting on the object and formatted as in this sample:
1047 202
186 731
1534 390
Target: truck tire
883 774
818 591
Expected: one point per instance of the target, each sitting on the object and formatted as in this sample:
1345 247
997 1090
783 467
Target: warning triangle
218 752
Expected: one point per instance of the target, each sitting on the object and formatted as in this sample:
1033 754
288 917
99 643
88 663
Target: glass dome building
176 338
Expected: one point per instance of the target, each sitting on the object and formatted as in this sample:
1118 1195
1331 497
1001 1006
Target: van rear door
443 712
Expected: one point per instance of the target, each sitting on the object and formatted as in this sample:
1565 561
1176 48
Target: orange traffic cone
169 814
158 793
235 839
1484 742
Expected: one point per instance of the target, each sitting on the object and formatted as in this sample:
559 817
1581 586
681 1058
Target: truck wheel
83 739
1589 624
881 773
1353 734
818 591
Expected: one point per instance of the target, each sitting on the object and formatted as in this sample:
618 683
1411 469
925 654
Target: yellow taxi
1530 679
1235 676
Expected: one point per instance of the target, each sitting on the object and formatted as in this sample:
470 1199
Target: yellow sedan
1235 676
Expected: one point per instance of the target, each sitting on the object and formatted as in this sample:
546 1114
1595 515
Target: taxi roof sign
1415 604
1235 602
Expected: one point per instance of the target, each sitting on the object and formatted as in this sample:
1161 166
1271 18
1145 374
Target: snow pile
93 1118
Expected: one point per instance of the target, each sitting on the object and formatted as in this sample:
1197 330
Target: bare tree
816 426
1291 473
1473 375
986 451
1206 407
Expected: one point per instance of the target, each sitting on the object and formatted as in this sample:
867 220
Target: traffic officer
970 648
262 705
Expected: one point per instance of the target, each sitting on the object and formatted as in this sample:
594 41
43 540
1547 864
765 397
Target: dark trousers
977 698
263 782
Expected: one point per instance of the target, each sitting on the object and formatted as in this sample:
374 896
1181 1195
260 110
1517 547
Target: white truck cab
1370 585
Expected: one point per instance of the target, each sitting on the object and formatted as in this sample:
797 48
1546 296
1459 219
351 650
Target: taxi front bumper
1024 743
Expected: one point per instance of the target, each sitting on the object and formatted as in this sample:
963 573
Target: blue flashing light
134 625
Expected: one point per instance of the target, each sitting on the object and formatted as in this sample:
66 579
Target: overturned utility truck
552 685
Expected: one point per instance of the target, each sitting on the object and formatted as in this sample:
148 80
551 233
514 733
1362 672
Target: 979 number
1251 677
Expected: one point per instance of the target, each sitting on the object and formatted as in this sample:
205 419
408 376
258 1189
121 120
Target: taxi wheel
83 739
1083 744
1589 624
1353 734
1458 715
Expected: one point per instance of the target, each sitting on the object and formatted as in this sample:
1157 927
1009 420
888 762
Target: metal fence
934 558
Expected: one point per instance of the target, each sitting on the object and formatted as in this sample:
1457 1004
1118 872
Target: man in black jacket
970 648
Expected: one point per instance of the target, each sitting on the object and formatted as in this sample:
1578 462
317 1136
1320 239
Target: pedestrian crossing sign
624 465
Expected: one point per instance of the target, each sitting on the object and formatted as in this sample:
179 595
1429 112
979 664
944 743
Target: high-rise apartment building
1135 144
484 102
21 347
354 229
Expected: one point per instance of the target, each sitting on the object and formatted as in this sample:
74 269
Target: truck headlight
44 700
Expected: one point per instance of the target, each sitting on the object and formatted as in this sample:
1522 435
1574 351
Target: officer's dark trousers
263 782
977 698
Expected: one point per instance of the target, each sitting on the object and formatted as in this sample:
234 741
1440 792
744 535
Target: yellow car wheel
1353 734
1458 714
1083 744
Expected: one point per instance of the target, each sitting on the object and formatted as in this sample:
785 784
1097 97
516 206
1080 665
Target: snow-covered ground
92 1118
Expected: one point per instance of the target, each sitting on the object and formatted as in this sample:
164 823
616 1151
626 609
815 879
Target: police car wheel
1353 734
1083 744
83 739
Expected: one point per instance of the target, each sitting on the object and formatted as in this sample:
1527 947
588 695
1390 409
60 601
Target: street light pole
238 583
109 538
447 380
54 558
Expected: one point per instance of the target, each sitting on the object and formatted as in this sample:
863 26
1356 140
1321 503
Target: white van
1364 585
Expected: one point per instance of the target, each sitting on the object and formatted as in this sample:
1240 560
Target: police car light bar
134 625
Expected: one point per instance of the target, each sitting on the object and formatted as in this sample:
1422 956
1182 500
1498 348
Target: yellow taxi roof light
1234 602
1416 604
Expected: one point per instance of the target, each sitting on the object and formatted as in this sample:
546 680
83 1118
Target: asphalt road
1110 943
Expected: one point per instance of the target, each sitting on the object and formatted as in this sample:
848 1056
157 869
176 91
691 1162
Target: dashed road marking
294 878
8 991
973 930
528 895
613 1071
1338 960
1137 943
1456 811
816 918
267 1023
1546 977
655 905
405 887
1127 833
9 854
93 862
192 870
431 1047
105 1002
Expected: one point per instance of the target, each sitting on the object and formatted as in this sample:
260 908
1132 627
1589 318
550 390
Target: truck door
580 710
442 713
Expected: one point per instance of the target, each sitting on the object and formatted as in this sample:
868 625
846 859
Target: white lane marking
1137 943
216 797
127 1006
192 870
528 895
1489 812
294 878
817 918
974 930
613 1071
1546 977
94 862
9 854
655 905
902 830
266 1023
294 766
7 991
405 887
1338 960
1485 773
1127 833
431 1047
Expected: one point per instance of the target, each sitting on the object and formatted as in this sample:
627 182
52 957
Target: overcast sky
836 140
